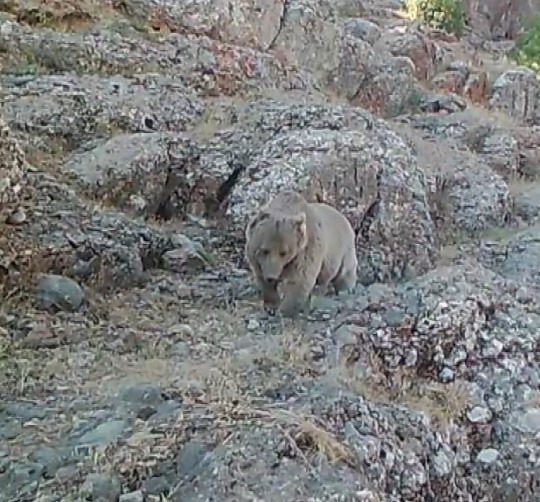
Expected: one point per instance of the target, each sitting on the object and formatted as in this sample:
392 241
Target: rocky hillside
136 363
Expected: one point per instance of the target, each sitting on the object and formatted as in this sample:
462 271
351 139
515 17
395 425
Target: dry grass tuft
21 262
314 437
306 434
60 15
444 403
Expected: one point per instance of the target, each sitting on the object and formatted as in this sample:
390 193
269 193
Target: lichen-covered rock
450 81
95 246
516 93
240 22
520 258
362 28
77 109
310 33
469 211
209 66
369 174
420 49
129 170
457 206
387 87
12 166
501 152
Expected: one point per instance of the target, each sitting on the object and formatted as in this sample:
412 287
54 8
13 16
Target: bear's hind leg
346 279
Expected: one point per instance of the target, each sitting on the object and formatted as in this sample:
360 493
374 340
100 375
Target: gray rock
515 92
364 29
144 395
191 459
442 465
59 292
25 411
521 255
479 415
487 456
137 496
530 420
10 430
102 434
527 203
157 486
51 459
102 487
20 478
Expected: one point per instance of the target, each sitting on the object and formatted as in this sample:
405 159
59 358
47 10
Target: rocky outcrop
139 136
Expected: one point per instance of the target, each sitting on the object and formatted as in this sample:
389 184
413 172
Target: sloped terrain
136 362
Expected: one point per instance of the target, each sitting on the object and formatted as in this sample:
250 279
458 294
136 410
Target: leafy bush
447 15
526 51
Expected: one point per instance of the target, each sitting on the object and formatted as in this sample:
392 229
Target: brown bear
293 245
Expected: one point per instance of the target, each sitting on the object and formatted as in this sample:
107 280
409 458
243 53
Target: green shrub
447 15
526 51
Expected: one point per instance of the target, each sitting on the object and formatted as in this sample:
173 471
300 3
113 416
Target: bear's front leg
270 295
297 288
296 299
268 290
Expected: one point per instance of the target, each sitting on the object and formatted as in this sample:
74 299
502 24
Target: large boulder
369 173
516 92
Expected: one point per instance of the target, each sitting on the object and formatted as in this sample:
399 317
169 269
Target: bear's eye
264 252
283 254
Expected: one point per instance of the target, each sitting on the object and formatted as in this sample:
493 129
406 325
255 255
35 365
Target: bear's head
275 239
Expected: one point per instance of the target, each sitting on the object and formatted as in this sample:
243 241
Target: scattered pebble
17 217
487 456
479 415
59 292
137 496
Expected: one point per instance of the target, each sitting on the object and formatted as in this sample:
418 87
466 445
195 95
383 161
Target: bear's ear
258 218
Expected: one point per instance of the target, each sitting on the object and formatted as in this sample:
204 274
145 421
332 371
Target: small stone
132 497
494 349
393 317
149 395
10 430
446 375
253 325
103 433
442 464
411 358
59 292
487 456
102 487
180 330
190 459
50 458
17 217
363 29
145 413
479 415
530 421
156 486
